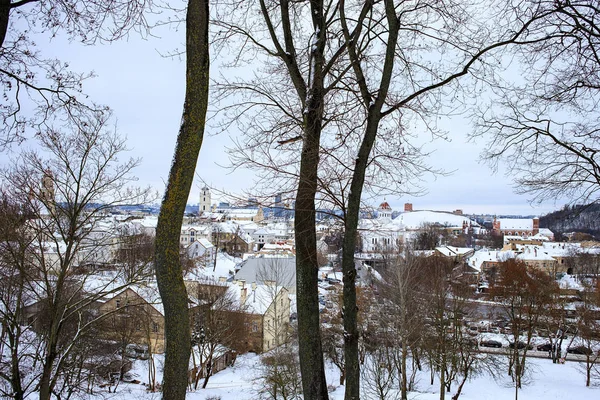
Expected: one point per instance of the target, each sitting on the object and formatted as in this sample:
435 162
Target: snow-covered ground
546 381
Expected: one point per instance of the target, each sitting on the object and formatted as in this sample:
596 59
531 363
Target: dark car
546 347
520 345
490 343
579 350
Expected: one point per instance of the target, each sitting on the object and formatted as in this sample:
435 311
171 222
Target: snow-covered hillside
546 381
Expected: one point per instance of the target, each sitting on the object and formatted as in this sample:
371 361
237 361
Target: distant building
524 227
384 210
205 204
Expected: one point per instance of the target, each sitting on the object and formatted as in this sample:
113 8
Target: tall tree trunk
169 274
4 18
312 366
311 354
348 267
45 379
442 384
356 187
56 313
404 378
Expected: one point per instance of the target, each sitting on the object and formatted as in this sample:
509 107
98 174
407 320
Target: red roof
385 206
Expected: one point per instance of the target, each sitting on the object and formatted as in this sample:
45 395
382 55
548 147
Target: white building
205 204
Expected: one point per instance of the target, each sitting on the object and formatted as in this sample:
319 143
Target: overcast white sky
146 92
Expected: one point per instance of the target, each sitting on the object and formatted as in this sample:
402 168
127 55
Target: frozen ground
546 381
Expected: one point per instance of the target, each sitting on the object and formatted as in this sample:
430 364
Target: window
118 303
254 327
154 327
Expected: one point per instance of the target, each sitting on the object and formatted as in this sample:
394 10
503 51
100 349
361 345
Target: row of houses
554 258
135 314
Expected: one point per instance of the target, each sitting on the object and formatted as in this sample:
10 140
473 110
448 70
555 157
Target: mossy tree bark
312 368
169 273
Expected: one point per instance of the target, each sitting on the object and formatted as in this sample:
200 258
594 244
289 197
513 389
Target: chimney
243 296
408 207
536 226
253 285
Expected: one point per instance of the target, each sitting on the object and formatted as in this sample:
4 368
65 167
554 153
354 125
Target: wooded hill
575 218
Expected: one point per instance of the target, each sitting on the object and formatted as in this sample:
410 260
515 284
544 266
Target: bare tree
370 78
378 375
524 293
588 327
35 87
219 321
134 254
69 186
281 374
17 341
444 310
546 125
402 315
169 274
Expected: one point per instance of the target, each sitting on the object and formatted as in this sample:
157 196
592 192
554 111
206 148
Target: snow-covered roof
481 256
281 270
535 254
451 251
277 247
195 228
147 222
225 268
522 224
540 236
258 297
205 243
417 219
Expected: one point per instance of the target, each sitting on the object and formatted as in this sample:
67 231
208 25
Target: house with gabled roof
268 309
137 312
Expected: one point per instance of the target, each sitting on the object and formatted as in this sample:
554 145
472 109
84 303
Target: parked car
579 350
546 347
490 343
520 345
